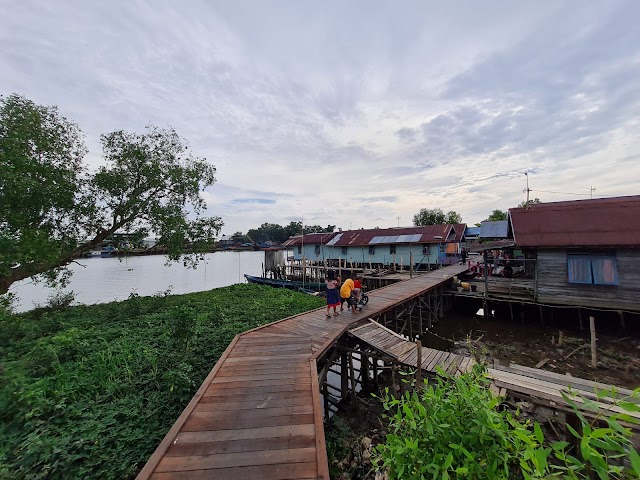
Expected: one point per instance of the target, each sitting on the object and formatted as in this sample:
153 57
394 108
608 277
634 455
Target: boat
291 285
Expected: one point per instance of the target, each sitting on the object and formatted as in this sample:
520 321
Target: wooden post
580 318
375 373
622 324
592 327
419 364
340 267
344 378
352 375
401 262
393 381
560 337
364 365
541 316
511 310
410 262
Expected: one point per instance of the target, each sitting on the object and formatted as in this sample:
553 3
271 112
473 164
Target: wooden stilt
352 375
622 323
580 318
344 379
592 328
541 316
419 364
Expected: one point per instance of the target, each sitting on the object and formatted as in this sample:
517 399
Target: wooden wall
553 285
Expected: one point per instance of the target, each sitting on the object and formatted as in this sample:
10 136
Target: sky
356 114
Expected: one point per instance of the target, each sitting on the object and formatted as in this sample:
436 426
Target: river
101 280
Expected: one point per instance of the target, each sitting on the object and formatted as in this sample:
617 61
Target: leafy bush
89 391
455 428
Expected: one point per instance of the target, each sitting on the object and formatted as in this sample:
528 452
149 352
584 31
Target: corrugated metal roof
588 223
426 234
460 229
497 229
309 239
472 232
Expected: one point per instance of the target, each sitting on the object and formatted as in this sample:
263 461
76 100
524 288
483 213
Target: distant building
226 241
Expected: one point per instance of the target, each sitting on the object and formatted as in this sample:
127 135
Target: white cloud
319 106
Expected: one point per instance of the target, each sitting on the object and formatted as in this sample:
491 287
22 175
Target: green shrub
89 391
455 428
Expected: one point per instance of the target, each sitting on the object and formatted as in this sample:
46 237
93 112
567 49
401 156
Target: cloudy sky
351 113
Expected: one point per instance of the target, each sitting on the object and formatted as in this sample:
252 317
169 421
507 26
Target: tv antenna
591 190
398 218
526 174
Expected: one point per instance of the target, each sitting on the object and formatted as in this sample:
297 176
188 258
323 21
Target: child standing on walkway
333 299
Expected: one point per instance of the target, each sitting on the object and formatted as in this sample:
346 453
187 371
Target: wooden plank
435 361
231 405
321 446
575 381
259 370
270 457
245 433
227 395
285 471
251 390
198 423
269 358
245 445
267 411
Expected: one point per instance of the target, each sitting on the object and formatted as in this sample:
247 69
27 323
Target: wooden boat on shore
291 285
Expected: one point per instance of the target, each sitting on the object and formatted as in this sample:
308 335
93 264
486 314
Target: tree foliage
435 216
53 210
524 204
496 215
278 233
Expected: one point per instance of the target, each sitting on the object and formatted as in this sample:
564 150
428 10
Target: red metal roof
588 223
310 239
363 237
460 229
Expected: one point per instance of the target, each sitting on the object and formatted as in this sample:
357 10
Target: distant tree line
272 232
435 216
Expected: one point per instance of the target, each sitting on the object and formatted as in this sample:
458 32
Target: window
372 250
592 269
425 250
392 249
317 249
299 248
344 250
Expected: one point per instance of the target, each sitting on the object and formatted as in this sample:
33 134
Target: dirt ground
529 343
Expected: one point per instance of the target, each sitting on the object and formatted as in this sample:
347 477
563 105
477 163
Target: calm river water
107 279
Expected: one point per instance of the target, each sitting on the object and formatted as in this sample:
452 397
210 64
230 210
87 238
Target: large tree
53 209
435 216
496 215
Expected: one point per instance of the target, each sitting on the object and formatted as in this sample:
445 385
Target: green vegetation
89 391
277 233
53 209
456 428
435 216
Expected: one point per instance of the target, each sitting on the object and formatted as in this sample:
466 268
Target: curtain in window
605 270
579 267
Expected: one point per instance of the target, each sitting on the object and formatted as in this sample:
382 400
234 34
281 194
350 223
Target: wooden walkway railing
258 413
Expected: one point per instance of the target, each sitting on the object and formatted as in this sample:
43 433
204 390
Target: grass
89 391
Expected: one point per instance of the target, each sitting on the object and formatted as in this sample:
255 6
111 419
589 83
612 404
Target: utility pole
591 190
398 218
526 174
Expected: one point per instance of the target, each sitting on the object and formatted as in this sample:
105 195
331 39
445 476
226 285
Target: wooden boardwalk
258 413
403 351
